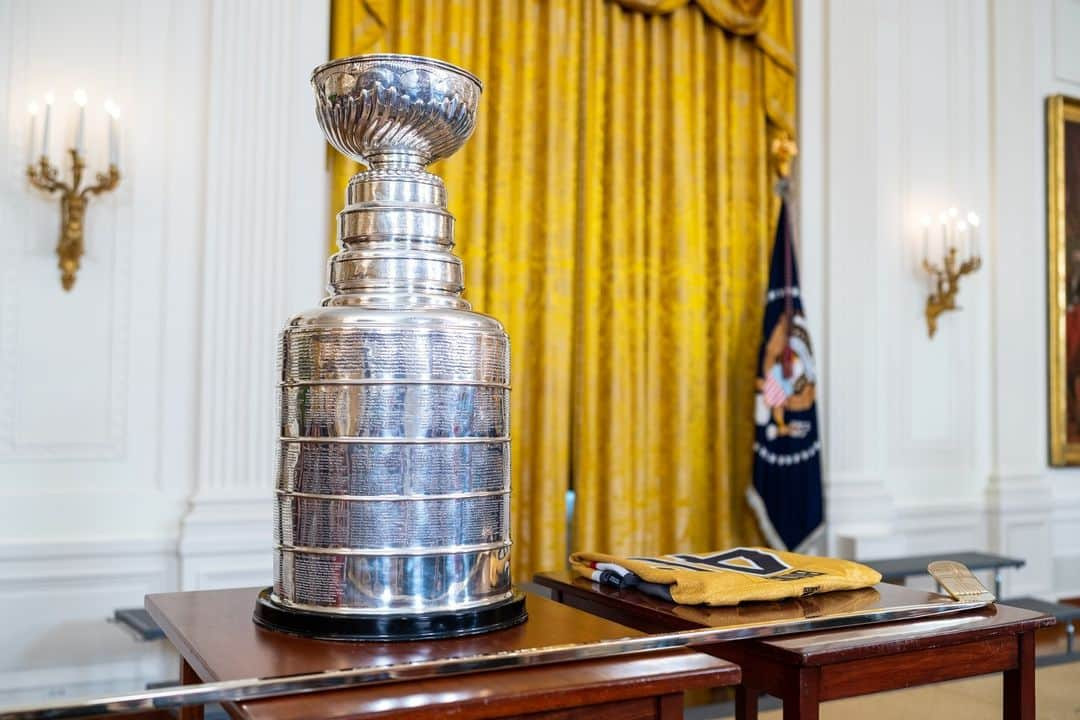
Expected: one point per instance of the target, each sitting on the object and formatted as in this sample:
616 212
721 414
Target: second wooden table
805 670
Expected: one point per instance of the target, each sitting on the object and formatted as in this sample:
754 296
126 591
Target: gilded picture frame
1063 281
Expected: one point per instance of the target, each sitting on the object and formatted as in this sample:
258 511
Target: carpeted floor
1057 690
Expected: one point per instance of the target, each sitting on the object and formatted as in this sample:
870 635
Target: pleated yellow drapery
614 211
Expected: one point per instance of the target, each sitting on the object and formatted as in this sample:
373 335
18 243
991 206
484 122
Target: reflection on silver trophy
393 490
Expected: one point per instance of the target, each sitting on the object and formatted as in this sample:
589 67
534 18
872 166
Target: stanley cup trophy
392 514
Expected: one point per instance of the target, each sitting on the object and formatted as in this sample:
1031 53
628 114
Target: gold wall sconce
73 194
959 256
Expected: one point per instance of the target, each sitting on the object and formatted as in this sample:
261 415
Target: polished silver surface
410 580
395 108
410 521
237 690
393 491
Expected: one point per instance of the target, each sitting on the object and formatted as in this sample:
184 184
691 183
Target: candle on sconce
960 257
953 240
80 126
926 221
49 98
114 114
943 219
973 221
32 108
962 246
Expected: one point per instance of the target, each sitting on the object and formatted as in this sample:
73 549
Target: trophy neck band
398 160
396 238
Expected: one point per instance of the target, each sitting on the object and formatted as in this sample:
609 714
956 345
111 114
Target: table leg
746 703
803 697
670 707
1018 691
997 583
188 677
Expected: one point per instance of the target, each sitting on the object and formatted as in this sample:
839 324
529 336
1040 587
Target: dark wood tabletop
214 633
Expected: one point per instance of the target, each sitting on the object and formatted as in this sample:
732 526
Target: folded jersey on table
725 577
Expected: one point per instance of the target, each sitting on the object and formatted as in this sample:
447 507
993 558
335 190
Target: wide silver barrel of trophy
393 488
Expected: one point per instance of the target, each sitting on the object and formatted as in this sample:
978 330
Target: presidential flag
786 493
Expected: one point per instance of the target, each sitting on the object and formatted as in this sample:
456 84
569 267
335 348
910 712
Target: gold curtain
614 212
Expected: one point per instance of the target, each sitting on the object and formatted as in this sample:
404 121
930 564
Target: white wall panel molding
1065 542
942 527
1065 520
263 255
862 519
1017 231
211 571
1019 496
1056 24
1066 14
57 345
1018 509
63 595
858 505
93 382
954 526
96 373
894 93
137 412
259 74
217 525
863 501
905 107
120 547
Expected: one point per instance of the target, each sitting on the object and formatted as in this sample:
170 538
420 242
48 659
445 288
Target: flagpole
787 466
784 151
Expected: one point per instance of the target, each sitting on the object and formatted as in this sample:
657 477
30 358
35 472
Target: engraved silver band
399 441
392 498
393 381
415 552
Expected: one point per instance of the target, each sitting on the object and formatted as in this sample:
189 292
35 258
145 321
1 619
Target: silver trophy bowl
380 109
392 513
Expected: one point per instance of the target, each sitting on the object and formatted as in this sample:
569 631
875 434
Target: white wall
910 106
136 412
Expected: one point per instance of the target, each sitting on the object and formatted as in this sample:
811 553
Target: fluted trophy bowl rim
377 110
399 57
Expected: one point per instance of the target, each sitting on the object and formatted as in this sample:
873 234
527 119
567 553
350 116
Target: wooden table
217 640
805 670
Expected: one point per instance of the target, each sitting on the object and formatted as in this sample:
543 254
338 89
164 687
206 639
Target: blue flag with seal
786 493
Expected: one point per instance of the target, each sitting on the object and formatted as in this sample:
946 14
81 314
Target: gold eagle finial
784 151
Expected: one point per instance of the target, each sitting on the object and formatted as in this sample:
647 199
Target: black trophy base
426 626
